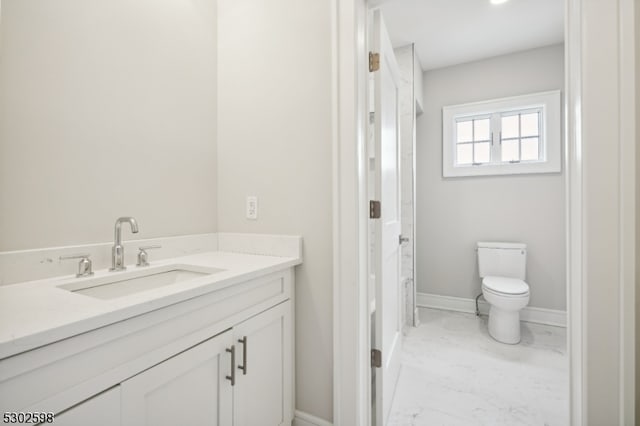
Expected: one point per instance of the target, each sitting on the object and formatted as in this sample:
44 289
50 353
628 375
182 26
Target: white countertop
36 313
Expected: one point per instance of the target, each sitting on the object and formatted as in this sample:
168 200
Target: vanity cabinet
199 386
224 358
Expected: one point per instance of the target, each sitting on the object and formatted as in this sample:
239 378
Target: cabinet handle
243 367
232 377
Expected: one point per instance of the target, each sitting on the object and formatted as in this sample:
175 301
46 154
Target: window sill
503 169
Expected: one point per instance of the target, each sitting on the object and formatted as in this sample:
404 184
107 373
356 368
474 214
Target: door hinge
376 358
374 209
374 61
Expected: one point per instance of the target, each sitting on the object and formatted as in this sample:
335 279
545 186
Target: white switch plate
252 207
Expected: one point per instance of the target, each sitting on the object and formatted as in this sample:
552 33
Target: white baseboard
305 419
461 304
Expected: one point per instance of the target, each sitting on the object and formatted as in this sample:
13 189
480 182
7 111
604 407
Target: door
264 361
190 388
100 410
386 259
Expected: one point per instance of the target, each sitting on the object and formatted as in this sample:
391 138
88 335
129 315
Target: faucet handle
84 266
143 256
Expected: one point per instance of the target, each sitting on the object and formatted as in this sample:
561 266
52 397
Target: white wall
454 213
274 141
107 108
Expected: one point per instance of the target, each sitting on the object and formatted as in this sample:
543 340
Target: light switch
252 207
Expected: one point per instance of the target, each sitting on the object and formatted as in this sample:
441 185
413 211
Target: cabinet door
190 388
264 361
101 410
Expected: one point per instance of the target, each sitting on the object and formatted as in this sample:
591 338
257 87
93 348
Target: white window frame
548 103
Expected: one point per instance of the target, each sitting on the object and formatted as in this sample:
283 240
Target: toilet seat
504 286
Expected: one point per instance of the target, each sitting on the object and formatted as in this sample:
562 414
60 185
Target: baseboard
305 419
461 304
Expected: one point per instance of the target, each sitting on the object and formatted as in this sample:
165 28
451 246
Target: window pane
510 127
529 124
482 152
464 131
530 149
465 154
482 129
510 150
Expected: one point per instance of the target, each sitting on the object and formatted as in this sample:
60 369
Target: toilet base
504 326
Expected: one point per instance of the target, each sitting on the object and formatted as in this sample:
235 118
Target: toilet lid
505 285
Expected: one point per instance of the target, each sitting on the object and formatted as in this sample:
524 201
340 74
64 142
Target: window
503 136
473 140
520 136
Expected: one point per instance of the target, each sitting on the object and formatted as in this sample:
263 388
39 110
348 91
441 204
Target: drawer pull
243 367
232 377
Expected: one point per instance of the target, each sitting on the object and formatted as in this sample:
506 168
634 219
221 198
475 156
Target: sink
127 283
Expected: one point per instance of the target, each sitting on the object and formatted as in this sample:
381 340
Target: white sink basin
125 283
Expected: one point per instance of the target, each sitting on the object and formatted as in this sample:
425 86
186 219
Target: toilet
502 267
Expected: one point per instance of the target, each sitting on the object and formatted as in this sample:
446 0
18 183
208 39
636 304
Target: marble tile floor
454 373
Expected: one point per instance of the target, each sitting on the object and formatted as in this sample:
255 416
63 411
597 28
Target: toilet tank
502 260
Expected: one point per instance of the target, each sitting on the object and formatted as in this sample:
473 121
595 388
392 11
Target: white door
388 321
100 410
264 361
190 388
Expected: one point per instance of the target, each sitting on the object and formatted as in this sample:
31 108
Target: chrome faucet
117 252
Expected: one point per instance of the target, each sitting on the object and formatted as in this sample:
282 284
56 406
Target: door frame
351 379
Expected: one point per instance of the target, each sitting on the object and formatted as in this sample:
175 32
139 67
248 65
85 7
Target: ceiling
449 32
